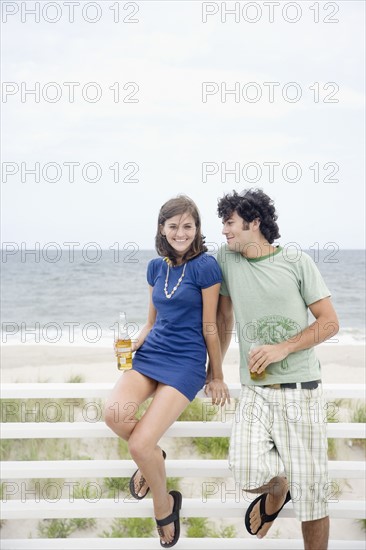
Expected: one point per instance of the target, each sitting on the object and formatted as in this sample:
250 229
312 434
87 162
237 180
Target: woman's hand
208 375
218 391
134 346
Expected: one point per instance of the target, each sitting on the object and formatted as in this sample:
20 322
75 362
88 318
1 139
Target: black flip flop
264 517
172 518
141 484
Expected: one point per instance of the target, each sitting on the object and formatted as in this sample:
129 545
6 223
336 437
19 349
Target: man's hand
262 356
218 391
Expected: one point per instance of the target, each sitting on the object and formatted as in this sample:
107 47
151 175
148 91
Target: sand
52 363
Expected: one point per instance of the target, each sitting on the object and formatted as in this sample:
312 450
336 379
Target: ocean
64 297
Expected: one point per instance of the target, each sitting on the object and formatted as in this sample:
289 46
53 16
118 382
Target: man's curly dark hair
249 205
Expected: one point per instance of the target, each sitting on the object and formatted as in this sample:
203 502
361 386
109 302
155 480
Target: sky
181 97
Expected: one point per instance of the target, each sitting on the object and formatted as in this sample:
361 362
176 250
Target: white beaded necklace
169 295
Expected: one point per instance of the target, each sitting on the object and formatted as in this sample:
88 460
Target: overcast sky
171 123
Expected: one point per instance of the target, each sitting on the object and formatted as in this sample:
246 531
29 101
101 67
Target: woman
170 358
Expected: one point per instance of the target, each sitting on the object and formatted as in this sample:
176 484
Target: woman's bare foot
140 484
167 532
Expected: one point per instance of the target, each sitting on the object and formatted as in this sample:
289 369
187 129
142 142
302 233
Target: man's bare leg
316 534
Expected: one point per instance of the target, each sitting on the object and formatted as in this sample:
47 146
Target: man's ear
256 224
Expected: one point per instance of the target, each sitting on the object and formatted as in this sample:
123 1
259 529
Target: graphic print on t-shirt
274 329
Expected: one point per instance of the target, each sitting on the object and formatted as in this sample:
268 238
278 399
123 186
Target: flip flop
172 518
264 517
141 483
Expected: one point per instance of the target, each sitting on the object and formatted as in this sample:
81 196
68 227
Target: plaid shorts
283 432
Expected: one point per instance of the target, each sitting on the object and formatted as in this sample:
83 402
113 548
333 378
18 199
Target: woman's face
180 232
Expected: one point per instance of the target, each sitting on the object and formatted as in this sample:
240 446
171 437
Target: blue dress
174 352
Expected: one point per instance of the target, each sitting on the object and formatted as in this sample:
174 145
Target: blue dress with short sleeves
174 351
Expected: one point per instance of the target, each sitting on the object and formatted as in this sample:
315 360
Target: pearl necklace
169 295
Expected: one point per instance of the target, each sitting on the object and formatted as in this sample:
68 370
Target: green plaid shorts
282 432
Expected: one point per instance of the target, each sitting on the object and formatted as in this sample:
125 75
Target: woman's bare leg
166 406
130 391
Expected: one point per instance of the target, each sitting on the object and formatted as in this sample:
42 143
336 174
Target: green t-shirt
270 296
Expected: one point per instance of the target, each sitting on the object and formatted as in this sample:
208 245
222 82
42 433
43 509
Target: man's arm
324 327
225 322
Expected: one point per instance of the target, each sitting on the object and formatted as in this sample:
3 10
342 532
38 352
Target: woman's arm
216 385
151 317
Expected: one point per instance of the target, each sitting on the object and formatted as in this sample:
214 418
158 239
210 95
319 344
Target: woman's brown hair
173 207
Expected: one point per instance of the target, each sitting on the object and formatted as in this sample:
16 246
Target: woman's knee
139 446
116 421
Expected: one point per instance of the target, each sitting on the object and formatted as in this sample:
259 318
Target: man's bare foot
272 504
167 532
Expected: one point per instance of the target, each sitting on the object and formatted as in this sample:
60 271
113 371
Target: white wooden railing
112 508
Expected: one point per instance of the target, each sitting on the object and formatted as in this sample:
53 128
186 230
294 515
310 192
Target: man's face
238 232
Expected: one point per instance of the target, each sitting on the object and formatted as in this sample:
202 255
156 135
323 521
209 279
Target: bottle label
123 348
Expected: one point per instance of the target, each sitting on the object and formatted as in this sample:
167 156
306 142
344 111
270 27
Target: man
278 445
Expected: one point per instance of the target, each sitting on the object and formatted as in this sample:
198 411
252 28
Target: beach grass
63 528
358 415
122 449
202 528
116 484
228 532
213 447
332 411
193 412
75 379
84 523
173 483
197 527
55 528
130 527
38 449
198 410
362 523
